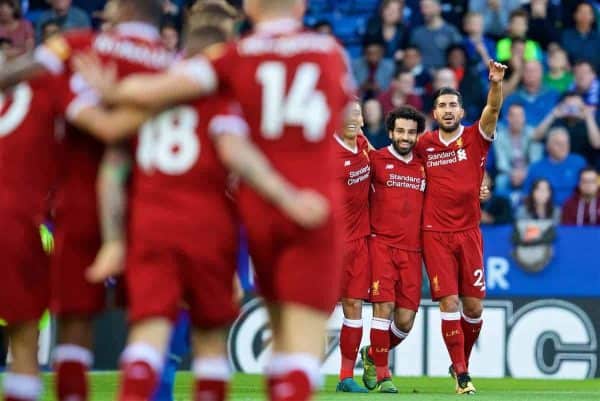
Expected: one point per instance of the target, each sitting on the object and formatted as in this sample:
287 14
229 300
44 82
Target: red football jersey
454 173
354 174
293 86
134 48
179 191
398 187
28 147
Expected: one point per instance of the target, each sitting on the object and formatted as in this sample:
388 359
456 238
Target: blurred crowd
545 161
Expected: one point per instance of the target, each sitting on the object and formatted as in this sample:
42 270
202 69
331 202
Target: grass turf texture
249 388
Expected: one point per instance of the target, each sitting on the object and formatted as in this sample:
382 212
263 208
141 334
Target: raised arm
491 111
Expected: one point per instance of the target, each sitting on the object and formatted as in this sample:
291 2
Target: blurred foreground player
455 158
396 202
354 174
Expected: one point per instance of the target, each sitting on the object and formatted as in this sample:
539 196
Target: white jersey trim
486 136
447 143
344 145
138 29
48 59
398 156
83 101
280 25
228 124
199 70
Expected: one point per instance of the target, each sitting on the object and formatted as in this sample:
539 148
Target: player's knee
450 304
404 323
352 308
473 310
383 309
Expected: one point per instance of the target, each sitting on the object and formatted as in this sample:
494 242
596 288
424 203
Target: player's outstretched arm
491 111
110 125
18 70
112 202
307 208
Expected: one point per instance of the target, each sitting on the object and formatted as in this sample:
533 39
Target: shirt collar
137 29
280 25
406 159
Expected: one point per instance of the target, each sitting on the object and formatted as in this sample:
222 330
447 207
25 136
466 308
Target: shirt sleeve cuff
228 124
49 60
82 101
200 71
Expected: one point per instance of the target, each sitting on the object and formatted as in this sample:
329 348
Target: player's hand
497 71
109 262
307 208
103 78
484 193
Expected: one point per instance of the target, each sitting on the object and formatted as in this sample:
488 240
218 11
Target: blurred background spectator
583 41
583 207
16 29
388 27
544 22
372 72
170 35
586 82
374 128
517 29
412 61
514 150
559 76
479 47
560 167
539 204
401 92
496 210
495 14
65 14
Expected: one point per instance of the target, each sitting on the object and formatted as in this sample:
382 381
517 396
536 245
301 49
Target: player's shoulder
380 154
63 45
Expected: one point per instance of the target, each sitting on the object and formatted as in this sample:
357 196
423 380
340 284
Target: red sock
455 340
380 346
210 390
292 386
350 338
138 381
471 327
396 336
71 381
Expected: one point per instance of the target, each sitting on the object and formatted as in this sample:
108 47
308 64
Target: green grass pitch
249 388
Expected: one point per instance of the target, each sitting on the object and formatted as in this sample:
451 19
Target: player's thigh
209 286
356 270
384 271
441 264
154 281
408 287
25 279
71 292
472 275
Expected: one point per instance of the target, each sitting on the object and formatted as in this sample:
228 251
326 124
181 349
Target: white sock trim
450 315
22 386
146 353
380 324
353 323
397 332
73 353
216 368
282 364
471 320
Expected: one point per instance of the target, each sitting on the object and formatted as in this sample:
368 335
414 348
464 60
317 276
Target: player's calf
22 383
211 366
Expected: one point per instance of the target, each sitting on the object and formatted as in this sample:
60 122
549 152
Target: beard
403 151
449 129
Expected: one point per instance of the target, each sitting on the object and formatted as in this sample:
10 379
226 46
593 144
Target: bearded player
396 201
354 174
455 157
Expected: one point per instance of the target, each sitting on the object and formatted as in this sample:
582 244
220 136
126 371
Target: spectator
323 27
559 167
444 77
579 120
495 14
514 73
456 60
401 92
586 82
514 150
372 72
583 41
559 76
108 16
537 100
583 208
388 27
517 29
469 81
435 36
170 36
67 16
5 48
538 204
411 61
479 47
49 29
497 210
544 22
15 28
374 128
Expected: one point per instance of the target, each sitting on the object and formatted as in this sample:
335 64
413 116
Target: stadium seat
364 6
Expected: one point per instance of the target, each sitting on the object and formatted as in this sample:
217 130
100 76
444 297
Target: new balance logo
389 167
347 163
462 154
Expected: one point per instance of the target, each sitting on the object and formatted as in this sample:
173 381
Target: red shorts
160 276
75 248
356 279
294 265
25 274
397 275
454 262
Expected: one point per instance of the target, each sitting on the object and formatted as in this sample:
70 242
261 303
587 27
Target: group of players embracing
263 107
416 199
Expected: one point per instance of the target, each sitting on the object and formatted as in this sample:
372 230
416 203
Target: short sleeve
55 53
199 70
228 119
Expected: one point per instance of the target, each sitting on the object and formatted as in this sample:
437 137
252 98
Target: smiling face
404 135
353 121
448 112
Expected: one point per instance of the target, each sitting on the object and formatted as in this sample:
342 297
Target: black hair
406 113
16 6
582 61
587 169
321 23
52 21
5 41
518 13
447 91
530 202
